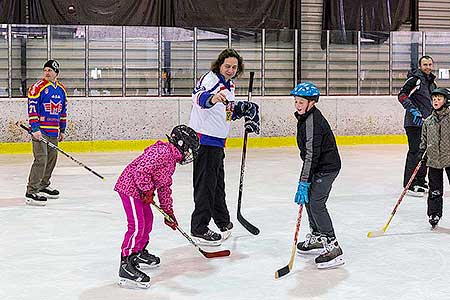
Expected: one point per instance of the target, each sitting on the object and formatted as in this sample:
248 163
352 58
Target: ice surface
70 249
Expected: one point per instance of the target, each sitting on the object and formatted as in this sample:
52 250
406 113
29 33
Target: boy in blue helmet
321 165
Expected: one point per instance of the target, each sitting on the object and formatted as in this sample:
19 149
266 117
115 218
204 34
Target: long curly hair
229 52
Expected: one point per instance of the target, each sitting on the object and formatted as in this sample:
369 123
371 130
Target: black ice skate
226 231
144 258
311 245
50 193
332 255
434 220
416 191
130 276
209 238
35 199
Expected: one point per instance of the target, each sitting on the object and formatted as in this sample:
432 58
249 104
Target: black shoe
35 199
416 191
311 245
434 220
130 275
50 193
423 184
332 256
226 231
147 259
209 238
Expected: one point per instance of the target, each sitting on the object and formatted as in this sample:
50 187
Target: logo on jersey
53 108
46 90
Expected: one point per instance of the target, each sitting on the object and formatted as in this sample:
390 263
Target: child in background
151 171
436 142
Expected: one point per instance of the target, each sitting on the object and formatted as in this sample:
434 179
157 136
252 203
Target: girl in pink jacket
149 172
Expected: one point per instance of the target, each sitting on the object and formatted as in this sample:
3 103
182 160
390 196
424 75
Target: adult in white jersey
213 109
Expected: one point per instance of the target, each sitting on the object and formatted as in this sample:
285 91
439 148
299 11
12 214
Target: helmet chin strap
310 105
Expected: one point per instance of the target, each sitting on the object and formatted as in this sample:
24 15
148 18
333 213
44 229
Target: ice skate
209 238
225 231
423 185
311 245
35 199
332 255
130 276
416 191
49 192
144 258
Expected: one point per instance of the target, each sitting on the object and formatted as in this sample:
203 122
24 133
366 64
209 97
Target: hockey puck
71 9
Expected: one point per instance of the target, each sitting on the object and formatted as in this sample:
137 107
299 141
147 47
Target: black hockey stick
380 232
51 145
252 229
206 254
285 270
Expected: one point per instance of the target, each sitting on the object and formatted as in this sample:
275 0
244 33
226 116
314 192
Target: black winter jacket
317 144
416 92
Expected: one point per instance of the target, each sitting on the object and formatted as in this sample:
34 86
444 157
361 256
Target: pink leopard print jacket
150 171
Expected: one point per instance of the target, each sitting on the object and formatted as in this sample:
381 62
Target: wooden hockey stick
206 254
380 232
285 270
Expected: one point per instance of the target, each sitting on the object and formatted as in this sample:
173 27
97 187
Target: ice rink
70 249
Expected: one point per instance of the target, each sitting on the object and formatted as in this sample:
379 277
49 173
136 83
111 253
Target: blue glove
302 195
417 116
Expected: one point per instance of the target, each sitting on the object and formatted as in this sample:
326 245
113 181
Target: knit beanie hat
52 64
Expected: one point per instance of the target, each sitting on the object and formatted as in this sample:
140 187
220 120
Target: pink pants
140 222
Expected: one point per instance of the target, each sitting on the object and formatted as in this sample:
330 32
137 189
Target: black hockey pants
209 190
436 182
414 135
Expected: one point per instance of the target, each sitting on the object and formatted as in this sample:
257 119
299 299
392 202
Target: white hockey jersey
213 121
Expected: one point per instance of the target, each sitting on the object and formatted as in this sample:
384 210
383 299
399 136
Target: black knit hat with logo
52 64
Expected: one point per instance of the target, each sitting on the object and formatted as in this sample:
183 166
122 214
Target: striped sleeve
63 116
313 149
33 117
411 85
204 90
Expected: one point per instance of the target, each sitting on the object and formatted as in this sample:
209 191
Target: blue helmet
306 90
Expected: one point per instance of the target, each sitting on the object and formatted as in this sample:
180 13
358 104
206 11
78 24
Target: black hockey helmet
444 92
185 139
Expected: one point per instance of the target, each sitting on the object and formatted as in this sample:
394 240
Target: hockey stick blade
206 254
252 229
222 253
283 271
380 232
287 269
377 233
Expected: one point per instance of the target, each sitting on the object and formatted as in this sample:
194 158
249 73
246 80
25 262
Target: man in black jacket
415 96
321 165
